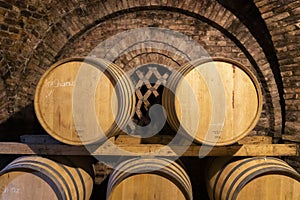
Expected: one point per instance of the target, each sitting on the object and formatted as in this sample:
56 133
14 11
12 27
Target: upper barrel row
80 101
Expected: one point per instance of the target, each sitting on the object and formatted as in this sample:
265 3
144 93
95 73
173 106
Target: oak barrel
147 179
80 101
34 177
264 178
214 101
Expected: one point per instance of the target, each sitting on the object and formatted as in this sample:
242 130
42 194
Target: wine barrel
252 178
149 178
80 101
34 177
215 102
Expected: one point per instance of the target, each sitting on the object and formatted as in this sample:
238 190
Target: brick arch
71 25
141 59
282 20
170 43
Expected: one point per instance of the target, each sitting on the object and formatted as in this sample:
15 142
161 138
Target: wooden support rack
129 146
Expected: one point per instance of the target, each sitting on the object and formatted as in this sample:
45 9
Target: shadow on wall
21 123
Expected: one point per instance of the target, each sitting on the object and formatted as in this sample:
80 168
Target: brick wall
39 33
35 34
283 21
212 40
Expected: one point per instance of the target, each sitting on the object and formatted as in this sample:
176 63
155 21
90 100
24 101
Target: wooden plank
256 140
38 139
110 149
293 138
157 139
126 139
44 139
160 139
165 139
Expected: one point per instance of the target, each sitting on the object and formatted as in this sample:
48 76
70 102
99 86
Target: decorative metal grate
149 81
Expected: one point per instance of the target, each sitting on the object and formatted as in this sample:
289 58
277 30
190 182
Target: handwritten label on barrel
58 83
9 189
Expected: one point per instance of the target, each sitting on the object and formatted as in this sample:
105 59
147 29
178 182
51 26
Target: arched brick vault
40 48
283 21
214 41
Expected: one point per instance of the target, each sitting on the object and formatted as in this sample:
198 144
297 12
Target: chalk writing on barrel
10 190
58 83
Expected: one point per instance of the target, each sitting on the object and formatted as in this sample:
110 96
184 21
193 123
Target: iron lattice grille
149 81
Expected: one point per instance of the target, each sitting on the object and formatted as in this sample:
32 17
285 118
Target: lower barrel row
35 177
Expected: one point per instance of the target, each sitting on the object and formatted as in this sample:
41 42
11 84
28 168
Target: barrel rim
66 178
17 166
89 60
258 89
264 172
242 168
169 172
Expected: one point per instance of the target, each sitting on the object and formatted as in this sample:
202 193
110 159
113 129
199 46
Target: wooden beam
127 139
256 140
292 138
38 139
165 139
158 139
111 149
